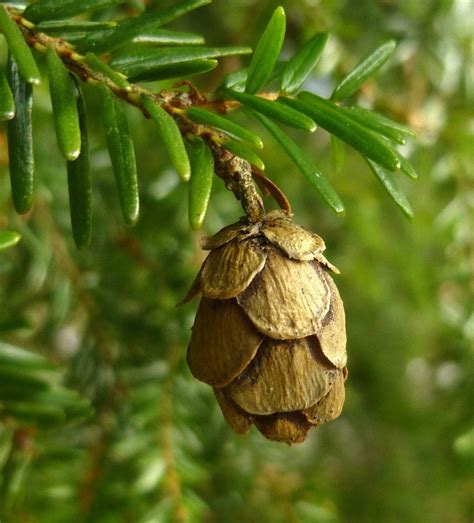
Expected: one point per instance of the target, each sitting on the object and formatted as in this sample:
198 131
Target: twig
235 172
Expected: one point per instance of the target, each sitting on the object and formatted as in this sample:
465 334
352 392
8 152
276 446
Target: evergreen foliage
126 58
100 419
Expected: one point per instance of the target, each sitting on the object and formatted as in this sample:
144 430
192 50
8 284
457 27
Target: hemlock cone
269 335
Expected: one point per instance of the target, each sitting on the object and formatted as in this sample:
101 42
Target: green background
157 448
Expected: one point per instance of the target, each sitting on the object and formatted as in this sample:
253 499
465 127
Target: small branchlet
185 114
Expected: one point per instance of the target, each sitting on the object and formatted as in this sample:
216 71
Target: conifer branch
232 169
185 115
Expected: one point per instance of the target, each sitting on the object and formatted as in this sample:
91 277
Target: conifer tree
100 419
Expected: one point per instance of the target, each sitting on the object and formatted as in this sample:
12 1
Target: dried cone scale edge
288 299
284 376
291 427
228 270
237 418
223 342
330 406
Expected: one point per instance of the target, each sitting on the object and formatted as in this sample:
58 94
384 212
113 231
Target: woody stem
237 176
250 199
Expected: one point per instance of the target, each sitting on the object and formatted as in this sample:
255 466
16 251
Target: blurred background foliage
156 448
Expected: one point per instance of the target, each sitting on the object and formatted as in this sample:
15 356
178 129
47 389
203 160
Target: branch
215 143
232 169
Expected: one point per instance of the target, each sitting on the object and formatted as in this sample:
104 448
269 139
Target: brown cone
269 334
